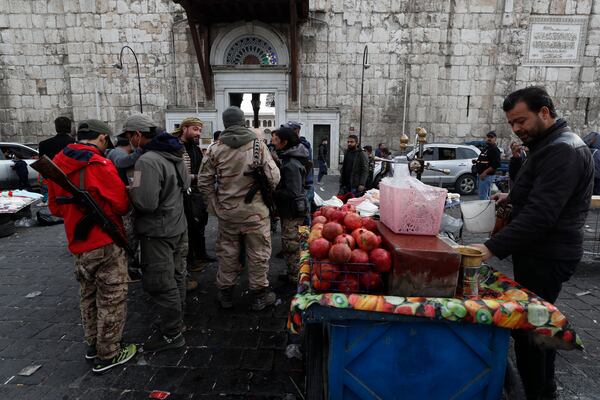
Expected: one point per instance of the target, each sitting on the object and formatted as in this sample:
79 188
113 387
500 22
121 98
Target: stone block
587 74
87 6
482 6
381 35
20 21
558 7
552 74
19 6
540 6
52 36
109 35
564 74
584 7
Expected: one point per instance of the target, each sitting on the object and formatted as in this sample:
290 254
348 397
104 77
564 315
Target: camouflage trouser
290 244
132 239
163 278
256 239
102 275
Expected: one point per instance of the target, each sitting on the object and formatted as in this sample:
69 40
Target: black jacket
550 198
359 170
290 194
54 145
489 157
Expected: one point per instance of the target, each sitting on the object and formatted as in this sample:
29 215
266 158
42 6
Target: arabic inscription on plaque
555 41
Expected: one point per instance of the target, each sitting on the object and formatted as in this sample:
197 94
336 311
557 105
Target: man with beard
550 199
189 135
355 169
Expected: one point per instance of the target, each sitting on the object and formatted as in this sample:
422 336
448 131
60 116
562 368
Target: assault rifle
261 183
94 215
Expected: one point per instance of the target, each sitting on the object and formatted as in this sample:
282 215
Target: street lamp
365 65
119 65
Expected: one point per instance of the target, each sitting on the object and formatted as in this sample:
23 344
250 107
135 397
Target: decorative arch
252 39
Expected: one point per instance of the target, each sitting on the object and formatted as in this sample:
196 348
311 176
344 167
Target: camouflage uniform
290 245
224 185
102 276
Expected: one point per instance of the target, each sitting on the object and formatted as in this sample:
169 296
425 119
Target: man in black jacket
550 200
54 145
355 169
486 165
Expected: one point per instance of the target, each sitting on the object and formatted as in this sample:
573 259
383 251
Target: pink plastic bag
411 207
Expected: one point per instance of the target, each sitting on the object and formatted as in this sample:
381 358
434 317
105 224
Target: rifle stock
49 170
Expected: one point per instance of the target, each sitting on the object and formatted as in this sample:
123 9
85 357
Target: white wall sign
557 41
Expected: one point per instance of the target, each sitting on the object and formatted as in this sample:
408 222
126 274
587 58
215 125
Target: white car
458 158
8 176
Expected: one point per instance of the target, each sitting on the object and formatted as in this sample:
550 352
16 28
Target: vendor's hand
500 198
487 254
361 188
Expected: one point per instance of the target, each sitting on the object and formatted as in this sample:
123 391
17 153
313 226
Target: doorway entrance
258 108
321 132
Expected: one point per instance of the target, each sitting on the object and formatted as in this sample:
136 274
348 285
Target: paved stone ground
229 354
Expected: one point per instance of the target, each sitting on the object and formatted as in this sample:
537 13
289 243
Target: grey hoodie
156 195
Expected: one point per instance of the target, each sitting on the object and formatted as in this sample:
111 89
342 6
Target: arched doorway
250 58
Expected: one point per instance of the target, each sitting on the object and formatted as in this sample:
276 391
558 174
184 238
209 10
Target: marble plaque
556 40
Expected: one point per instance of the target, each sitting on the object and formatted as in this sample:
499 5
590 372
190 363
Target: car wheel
465 184
7 229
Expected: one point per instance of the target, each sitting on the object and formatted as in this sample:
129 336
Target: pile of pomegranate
346 253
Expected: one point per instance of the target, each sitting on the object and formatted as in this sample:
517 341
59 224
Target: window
269 123
447 153
430 154
247 123
26 154
264 123
465 154
251 50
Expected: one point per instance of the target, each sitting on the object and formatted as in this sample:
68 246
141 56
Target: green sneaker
125 354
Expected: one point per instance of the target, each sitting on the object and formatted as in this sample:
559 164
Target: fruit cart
371 345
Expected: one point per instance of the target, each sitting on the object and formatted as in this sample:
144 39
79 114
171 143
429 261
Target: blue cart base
410 359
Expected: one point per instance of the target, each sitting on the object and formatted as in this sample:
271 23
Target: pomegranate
340 253
347 239
337 215
357 232
326 271
326 211
349 284
359 256
352 221
382 260
331 230
319 220
320 284
369 224
319 248
370 280
348 208
367 240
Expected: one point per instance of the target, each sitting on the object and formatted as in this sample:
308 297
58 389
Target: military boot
225 297
262 298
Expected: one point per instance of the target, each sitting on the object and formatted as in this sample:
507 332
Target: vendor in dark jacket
290 194
355 169
550 200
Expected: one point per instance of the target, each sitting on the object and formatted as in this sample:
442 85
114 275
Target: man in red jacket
100 265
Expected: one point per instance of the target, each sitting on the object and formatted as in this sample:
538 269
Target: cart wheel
513 385
313 343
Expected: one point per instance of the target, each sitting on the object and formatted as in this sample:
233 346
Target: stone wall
57 57
458 58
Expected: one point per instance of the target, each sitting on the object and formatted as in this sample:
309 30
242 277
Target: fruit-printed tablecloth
503 303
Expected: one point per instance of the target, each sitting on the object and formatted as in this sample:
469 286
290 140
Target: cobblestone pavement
229 354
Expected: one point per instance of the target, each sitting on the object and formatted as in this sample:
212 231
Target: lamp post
119 65
365 65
